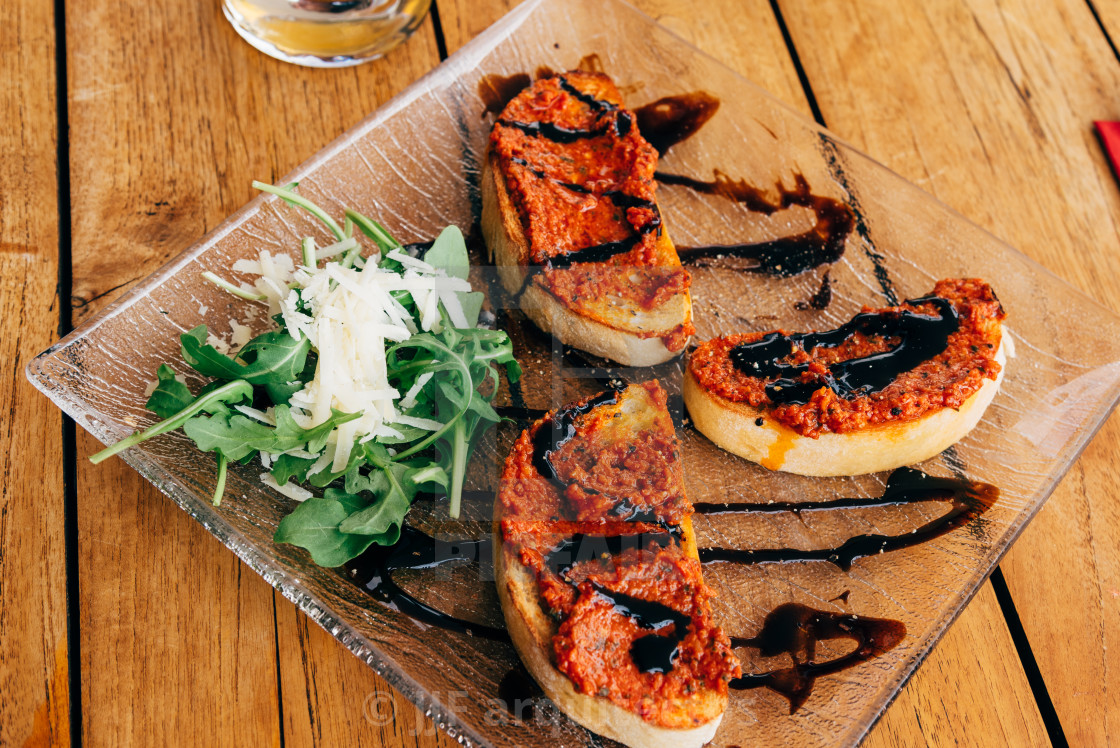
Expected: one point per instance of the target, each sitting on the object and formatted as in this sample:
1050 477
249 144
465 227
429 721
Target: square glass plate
414 164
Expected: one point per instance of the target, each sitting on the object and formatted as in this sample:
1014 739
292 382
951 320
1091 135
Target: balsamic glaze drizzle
787 256
921 337
554 132
496 91
822 298
621 122
415 550
585 547
560 429
618 121
599 105
968 499
674 119
796 630
653 653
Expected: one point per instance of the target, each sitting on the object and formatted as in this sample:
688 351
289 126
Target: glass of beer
325 33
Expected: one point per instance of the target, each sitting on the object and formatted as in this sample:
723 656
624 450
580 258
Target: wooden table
131 128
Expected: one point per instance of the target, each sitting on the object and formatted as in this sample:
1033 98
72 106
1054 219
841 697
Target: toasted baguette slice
736 428
532 631
607 325
938 395
683 721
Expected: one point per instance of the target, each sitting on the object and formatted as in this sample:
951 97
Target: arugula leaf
290 435
383 516
449 252
232 392
236 435
274 358
170 395
471 301
313 525
288 467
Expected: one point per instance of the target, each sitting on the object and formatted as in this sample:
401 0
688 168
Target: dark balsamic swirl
582 547
374 571
796 630
968 500
593 103
653 653
554 132
560 429
921 337
786 256
674 119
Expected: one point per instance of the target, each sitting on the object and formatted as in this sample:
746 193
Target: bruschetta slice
570 216
598 574
892 387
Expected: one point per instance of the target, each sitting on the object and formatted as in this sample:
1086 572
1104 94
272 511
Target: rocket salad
376 383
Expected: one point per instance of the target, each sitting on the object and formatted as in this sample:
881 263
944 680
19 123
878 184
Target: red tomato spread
582 179
615 474
945 380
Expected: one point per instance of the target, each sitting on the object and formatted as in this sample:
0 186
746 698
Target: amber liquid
338 33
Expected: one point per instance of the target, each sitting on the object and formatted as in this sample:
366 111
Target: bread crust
532 630
753 434
633 337
689 717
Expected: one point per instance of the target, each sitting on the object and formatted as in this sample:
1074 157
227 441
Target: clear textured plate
414 164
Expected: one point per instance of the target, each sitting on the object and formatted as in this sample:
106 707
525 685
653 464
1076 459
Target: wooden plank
971 690
1107 14
34 671
178 640
331 698
994 117
973 679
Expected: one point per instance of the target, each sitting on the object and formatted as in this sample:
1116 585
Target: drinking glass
325 33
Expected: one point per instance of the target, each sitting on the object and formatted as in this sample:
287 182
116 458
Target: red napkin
1109 133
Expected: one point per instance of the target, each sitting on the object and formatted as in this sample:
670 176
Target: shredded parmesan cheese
289 489
350 317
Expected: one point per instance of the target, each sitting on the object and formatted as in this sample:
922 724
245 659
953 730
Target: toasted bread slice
922 412
634 308
541 627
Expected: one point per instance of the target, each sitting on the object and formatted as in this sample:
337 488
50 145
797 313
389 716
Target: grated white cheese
289 489
409 261
264 416
420 423
336 249
349 316
410 398
242 334
220 345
